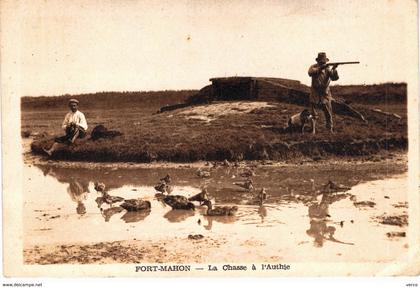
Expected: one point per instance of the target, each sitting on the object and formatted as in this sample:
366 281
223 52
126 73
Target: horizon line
187 89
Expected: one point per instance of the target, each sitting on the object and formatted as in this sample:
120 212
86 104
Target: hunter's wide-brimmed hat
73 101
322 56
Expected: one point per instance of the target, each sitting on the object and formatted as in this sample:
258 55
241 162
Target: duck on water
219 210
200 197
178 202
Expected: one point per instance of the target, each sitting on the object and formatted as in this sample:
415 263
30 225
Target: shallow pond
60 207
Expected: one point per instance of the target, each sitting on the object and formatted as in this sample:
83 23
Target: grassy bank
227 131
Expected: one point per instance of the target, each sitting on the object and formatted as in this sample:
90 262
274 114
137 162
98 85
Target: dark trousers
72 133
327 109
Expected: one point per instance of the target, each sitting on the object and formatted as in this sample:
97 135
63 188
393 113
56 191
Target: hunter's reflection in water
262 212
78 192
319 217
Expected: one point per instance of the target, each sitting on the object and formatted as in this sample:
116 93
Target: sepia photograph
210 138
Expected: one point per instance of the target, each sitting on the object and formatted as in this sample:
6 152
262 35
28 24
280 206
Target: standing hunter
320 97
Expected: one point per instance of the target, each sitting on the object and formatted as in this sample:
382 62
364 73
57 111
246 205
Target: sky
91 46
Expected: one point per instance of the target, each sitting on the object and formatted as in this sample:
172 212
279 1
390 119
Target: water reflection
99 201
78 192
109 212
135 216
262 212
292 212
319 217
178 215
220 219
319 227
283 190
281 186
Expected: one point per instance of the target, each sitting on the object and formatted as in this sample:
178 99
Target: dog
299 121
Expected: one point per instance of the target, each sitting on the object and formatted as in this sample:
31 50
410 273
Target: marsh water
296 223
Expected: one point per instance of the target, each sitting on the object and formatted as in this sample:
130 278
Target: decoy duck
163 187
110 199
136 204
167 179
200 197
160 187
178 202
219 210
248 184
99 186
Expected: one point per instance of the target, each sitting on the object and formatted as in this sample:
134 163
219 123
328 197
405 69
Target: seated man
74 124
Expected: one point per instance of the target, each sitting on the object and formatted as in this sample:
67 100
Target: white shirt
77 117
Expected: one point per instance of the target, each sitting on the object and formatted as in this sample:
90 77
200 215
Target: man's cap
322 57
73 101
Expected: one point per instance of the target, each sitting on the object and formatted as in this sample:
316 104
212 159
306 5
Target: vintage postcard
210 138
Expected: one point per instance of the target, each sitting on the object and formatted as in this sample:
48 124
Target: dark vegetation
109 100
171 136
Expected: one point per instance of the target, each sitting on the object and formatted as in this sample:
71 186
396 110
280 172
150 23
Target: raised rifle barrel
342 63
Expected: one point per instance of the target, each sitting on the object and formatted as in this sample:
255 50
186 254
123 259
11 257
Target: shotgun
335 64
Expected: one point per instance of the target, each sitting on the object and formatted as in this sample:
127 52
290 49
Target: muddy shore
397 156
